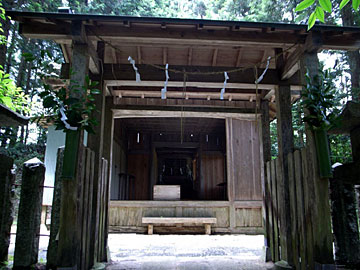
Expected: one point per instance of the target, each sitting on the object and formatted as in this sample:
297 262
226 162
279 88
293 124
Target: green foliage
11 96
79 110
344 3
304 5
320 99
324 5
340 146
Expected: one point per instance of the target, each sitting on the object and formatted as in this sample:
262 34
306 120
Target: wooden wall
125 216
212 174
244 159
138 168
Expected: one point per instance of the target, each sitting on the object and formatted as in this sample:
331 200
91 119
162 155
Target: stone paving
186 252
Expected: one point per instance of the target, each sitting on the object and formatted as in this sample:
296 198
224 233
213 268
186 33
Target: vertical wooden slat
270 211
90 212
308 193
300 209
85 192
81 206
293 210
274 199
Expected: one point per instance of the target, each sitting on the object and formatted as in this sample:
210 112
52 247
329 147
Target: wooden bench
178 221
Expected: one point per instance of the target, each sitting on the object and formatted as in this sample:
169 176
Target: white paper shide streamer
262 75
64 119
225 82
132 61
164 90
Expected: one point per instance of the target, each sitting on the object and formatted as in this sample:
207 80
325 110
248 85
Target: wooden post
107 153
286 145
51 255
266 149
207 229
29 217
70 219
319 202
6 205
150 229
95 143
230 171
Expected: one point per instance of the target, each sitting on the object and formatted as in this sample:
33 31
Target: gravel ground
183 252
188 252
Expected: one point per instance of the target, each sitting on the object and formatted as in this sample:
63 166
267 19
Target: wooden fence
93 195
303 218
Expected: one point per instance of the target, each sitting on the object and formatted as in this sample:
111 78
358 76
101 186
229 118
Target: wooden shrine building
206 134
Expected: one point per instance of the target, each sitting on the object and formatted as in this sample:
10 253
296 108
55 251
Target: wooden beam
155 35
95 143
114 55
292 63
188 103
239 57
313 42
138 49
78 35
264 58
190 53
149 73
136 33
214 57
286 146
179 95
152 111
165 56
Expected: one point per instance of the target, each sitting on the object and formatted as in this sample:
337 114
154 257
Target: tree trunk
10 50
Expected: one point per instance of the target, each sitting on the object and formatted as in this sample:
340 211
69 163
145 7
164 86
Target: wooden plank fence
302 170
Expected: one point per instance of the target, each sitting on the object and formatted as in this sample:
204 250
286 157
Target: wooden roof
10 118
198 46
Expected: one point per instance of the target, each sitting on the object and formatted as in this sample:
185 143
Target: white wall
55 139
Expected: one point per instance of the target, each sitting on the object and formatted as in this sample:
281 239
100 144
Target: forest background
24 59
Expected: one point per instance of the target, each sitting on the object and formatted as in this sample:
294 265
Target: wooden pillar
318 206
266 150
230 171
95 143
29 217
51 255
107 154
70 218
6 205
285 146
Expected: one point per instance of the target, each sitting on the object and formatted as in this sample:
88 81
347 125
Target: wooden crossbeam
179 94
114 74
292 64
